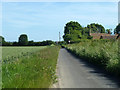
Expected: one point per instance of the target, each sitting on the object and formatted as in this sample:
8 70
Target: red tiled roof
109 37
100 34
103 36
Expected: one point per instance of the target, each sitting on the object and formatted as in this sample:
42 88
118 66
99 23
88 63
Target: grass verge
36 70
101 53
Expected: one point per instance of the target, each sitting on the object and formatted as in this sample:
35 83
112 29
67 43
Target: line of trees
74 32
23 41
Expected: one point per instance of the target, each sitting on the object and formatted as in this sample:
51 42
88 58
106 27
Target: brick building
104 36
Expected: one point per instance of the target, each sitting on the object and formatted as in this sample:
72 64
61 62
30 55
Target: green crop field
8 52
101 53
29 67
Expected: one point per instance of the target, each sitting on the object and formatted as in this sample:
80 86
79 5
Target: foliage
62 43
15 44
108 31
67 37
96 28
30 43
117 29
103 53
31 70
7 44
2 40
89 37
72 31
71 26
23 40
47 42
43 43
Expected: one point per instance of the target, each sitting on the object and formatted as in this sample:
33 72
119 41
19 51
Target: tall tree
72 31
71 26
23 40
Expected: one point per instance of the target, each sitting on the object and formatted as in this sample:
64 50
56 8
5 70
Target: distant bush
30 43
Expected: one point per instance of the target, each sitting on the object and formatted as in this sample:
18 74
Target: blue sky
43 20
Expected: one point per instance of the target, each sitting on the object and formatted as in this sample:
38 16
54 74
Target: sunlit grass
101 53
7 52
36 70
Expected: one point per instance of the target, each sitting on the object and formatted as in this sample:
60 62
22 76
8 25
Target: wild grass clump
37 70
101 53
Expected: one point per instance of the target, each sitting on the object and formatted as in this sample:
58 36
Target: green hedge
103 53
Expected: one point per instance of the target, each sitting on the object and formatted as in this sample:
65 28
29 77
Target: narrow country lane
75 73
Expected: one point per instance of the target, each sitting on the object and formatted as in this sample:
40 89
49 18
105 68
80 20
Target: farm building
103 36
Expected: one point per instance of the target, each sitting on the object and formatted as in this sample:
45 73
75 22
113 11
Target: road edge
56 85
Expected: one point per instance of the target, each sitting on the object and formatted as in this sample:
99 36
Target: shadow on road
97 70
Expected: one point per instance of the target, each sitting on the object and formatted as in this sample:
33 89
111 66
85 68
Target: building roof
109 37
103 36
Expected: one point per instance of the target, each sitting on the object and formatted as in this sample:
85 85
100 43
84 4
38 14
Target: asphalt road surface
76 73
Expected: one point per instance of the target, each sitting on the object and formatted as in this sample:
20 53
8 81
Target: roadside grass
36 70
101 53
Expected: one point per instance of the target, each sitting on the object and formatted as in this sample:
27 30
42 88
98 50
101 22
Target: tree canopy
109 31
117 29
23 40
72 31
71 27
96 28
2 40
